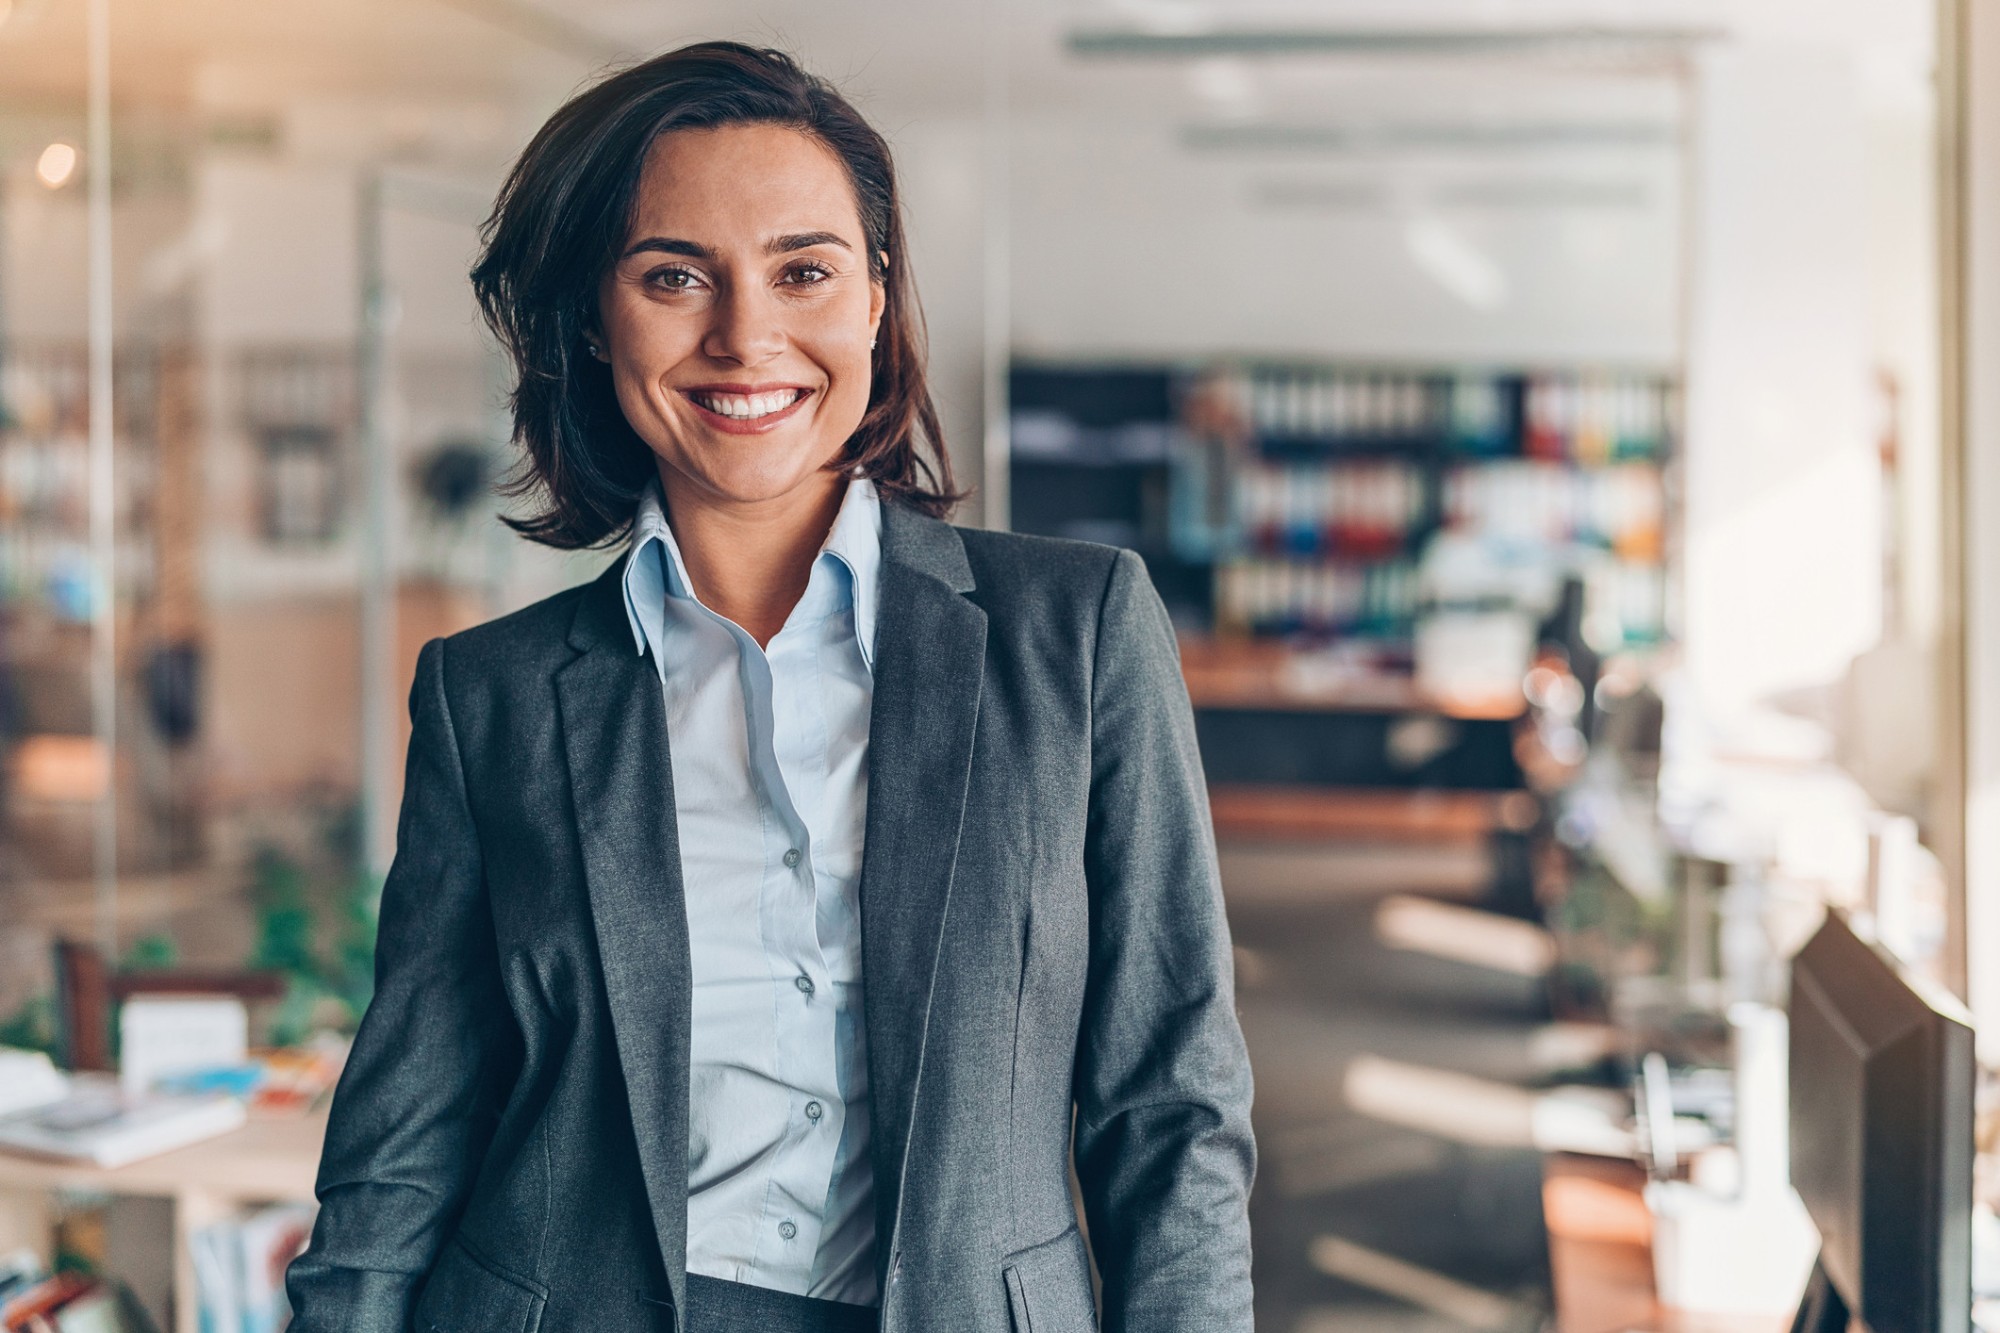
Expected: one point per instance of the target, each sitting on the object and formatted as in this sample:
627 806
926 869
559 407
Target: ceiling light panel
1438 136
1569 41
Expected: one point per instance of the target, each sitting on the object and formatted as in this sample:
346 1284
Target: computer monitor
1881 1140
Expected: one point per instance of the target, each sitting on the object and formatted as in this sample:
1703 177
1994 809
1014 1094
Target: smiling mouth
746 406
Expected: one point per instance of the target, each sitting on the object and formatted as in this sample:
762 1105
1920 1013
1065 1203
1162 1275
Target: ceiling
495 67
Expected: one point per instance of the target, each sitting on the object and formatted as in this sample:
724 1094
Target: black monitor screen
1881 1127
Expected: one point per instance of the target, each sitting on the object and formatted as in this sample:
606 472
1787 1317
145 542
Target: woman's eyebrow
803 240
668 245
777 245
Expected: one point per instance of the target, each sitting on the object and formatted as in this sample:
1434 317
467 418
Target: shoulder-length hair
557 226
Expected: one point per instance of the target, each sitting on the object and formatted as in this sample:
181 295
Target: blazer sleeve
430 1068
1164 1153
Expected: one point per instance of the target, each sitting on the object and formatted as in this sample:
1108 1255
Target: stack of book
28 1079
239 1268
99 1123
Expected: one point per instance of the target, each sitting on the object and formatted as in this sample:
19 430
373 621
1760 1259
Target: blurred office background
1547 421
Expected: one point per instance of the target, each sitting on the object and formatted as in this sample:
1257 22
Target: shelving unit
1316 491
271 1160
1297 502
45 476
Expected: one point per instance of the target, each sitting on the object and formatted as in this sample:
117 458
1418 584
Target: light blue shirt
770 772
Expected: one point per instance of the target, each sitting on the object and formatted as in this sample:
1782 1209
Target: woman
770 915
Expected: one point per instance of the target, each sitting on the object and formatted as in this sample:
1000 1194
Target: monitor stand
1821 1310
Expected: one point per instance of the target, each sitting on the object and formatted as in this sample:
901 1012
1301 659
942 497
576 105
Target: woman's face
738 316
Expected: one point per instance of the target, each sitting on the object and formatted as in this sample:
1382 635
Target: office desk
269 1160
1601 1257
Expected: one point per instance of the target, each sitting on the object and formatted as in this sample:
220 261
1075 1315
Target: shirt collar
655 571
856 541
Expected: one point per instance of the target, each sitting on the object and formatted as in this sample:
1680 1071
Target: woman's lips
744 411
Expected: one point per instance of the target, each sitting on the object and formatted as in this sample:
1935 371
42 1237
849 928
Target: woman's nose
748 326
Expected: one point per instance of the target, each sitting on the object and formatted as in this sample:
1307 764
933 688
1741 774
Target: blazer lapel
614 725
930 657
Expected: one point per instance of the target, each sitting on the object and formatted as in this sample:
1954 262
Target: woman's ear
594 343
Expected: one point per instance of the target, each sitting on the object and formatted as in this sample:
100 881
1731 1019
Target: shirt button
792 859
804 983
787 1230
813 1111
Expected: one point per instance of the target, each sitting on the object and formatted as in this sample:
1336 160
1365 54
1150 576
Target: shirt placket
784 739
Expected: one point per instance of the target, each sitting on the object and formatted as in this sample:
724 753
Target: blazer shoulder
535 635
1018 565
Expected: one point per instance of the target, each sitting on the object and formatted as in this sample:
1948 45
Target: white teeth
745 406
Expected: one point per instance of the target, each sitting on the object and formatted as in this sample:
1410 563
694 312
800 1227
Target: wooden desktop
1601 1254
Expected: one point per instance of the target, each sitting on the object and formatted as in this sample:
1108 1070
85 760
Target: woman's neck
751 562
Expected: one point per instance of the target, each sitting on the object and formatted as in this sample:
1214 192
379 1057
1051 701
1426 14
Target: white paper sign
160 1035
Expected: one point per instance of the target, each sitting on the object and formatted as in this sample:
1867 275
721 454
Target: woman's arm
1163 1147
422 1089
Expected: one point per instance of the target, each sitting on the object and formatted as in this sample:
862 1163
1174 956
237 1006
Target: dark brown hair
557 226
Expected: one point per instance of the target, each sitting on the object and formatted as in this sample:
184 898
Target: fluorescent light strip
1308 196
1532 194
1438 137
1126 43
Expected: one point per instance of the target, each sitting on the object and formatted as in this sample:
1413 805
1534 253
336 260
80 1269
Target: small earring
871 344
595 350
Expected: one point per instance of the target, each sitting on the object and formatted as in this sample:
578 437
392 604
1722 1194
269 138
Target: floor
1398 1189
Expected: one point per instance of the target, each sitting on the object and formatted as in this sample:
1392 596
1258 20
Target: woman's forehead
746 179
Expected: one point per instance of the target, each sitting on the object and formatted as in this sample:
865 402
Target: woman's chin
762 486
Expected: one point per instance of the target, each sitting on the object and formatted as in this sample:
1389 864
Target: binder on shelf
67 1302
1300 498
239 1268
36 1307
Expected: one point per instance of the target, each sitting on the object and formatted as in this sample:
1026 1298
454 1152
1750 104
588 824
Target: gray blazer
1044 953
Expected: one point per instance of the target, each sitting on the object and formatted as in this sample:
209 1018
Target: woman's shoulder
537 634
1076 590
1022 564
1065 606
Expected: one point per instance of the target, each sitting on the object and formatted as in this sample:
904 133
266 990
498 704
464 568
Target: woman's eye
808 274
673 279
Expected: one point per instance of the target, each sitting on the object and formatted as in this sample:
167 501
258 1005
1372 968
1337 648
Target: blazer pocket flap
466 1294
1048 1287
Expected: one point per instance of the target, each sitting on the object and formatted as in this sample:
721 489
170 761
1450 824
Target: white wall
1127 243
944 200
1782 571
1981 511
285 257
43 270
